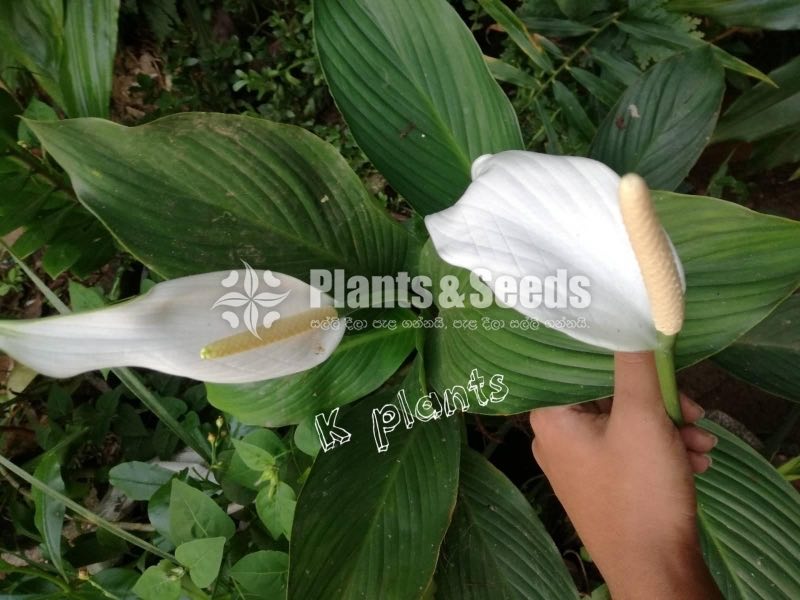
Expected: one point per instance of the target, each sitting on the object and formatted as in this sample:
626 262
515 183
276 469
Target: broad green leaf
71 55
276 509
662 122
358 366
203 558
193 515
49 513
518 33
664 35
369 524
236 188
254 457
749 521
90 43
411 83
480 560
755 14
33 33
576 9
261 575
767 356
159 582
739 266
765 110
139 480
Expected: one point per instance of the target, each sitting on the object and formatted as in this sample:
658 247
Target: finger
691 410
699 462
637 394
697 440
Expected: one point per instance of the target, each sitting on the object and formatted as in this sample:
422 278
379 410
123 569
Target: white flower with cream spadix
186 327
530 215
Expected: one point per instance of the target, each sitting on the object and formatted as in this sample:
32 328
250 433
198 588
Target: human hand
623 473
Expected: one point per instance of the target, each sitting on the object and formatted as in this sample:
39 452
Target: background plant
100 501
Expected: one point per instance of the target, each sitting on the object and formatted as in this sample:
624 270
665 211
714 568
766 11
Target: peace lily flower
184 327
530 215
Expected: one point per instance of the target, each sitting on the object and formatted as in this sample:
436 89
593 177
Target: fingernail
696 406
710 460
716 440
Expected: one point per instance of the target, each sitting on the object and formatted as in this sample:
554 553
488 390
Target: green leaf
262 574
236 188
662 122
159 582
605 91
70 55
663 35
502 71
193 515
749 521
158 510
395 505
481 560
90 41
238 472
358 366
573 111
254 457
32 32
755 14
203 558
117 581
559 28
518 33
138 480
767 356
276 509
765 110
411 83
731 287
306 438
49 513
83 298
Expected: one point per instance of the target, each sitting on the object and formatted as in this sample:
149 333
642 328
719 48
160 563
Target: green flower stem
83 511
665 365
126 376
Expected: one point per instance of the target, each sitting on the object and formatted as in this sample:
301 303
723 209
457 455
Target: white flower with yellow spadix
530 215
224 327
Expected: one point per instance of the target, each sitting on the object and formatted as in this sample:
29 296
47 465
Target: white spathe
166 329
530 214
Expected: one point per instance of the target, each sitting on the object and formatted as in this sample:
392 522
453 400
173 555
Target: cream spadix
530 215
199 327
653 253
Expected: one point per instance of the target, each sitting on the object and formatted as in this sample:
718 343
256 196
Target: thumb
637 394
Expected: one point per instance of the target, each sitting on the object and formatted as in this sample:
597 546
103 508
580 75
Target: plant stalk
665 366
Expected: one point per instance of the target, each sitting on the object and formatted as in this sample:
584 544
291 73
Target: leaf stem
665 366
82 511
